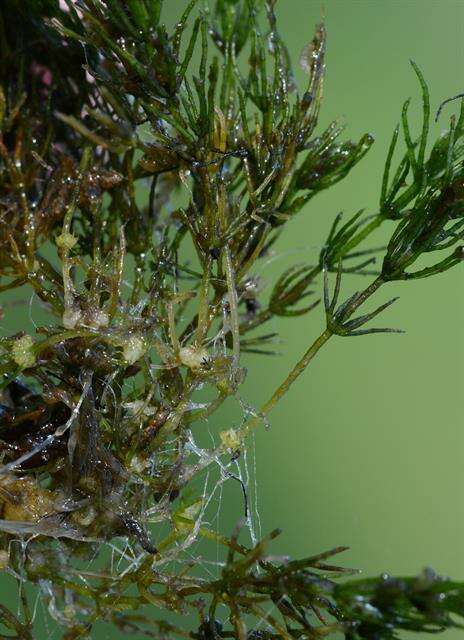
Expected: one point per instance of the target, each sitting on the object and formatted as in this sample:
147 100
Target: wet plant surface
144 175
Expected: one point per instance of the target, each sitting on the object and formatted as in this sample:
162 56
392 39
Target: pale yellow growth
230 439
66 240
133 349
193 358
69 612
4 560
138 464
71 317
25 501
85 517
22 352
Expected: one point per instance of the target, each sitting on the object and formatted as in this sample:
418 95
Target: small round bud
133 349
230 439
71 317
85 517
22 352
193 358
66 241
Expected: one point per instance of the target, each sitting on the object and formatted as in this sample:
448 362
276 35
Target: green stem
65 335
306 359
363 296
287 383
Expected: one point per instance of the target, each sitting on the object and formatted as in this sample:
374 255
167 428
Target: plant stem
306 359
286 384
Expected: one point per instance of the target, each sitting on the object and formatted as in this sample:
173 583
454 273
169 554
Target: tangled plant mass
144 175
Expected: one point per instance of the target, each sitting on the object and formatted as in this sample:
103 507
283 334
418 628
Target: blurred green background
367 448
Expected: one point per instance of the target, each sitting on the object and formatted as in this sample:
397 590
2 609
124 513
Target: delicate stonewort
146 175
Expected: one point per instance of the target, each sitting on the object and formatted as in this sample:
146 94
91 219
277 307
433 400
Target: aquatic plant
144 174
